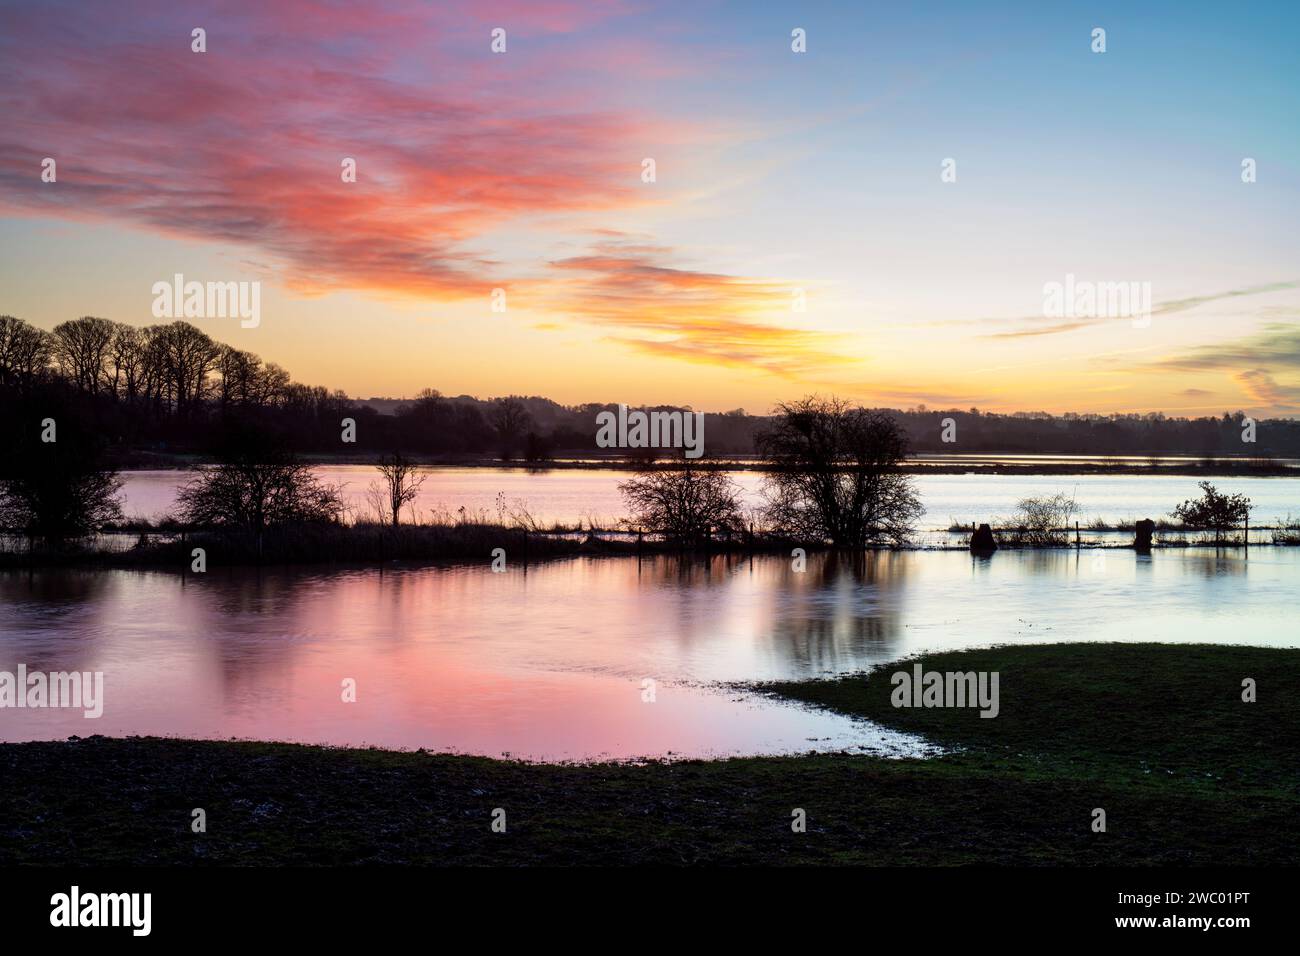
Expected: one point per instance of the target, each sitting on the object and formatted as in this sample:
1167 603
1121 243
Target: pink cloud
243 144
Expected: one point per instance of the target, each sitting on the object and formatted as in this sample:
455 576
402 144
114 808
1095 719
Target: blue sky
776 172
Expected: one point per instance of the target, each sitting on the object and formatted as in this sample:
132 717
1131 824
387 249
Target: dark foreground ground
1156 735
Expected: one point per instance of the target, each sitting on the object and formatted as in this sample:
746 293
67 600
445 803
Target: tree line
171 388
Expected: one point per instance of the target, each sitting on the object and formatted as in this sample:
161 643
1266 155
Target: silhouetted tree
1213 511
402 482
509 417
256 484
684 504
56 489
536 447
834 474
186 356
127 355
81 349
25 352
1043 520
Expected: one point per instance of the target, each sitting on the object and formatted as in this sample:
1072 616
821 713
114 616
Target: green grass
1156 735
1121 711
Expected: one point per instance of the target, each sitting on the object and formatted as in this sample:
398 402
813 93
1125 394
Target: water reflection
53 591
550 662
1213 564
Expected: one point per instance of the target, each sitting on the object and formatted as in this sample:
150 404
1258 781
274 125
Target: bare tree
25 351
510 418
255 485
402 481
269 385
128 356
81 348
153 389
686 504
57 495
237 369
1043 520
834 474
186 356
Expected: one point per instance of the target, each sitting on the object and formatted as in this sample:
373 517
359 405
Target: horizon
783 180
921 409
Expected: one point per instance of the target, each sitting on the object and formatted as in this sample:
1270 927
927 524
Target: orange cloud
679 313
243 144
1261 387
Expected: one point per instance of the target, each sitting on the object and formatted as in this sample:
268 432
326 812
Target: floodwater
588 657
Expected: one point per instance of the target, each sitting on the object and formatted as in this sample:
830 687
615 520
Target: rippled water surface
551 661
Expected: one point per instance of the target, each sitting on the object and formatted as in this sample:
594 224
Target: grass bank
1156 735
366 544
1140 713
306 544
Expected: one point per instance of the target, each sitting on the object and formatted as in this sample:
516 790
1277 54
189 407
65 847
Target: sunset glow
797 236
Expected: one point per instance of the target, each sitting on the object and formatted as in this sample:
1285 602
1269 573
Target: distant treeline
172 389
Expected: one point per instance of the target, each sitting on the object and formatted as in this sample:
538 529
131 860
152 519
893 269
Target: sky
881 216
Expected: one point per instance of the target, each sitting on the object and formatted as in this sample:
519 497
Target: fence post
1142 533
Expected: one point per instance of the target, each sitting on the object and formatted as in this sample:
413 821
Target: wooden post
1142 533
1077 543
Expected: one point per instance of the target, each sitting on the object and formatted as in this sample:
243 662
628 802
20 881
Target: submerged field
1156 735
